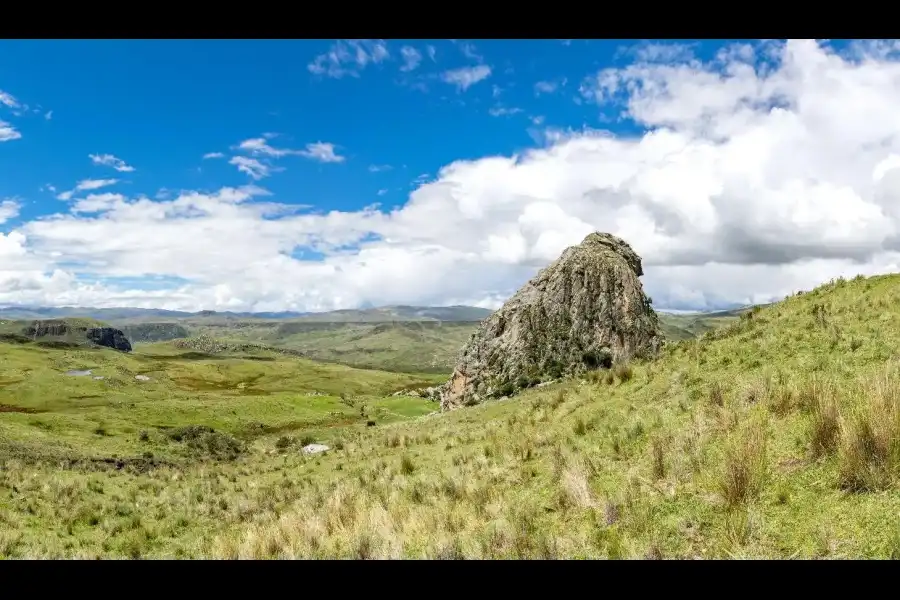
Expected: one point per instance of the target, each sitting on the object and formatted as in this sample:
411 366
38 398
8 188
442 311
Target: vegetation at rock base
774 436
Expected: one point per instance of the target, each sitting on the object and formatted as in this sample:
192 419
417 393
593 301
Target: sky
310 175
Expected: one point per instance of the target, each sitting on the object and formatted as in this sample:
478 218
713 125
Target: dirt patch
8 408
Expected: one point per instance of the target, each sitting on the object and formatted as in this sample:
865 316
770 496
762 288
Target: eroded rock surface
585 310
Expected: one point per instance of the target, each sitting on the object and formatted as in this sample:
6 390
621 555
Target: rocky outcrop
109 338
585 311
76 332
50 328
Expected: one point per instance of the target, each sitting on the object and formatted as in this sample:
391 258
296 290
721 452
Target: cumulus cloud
465 77
108 160
210 155
349 57
769 169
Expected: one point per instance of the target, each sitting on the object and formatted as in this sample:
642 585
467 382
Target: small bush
283 443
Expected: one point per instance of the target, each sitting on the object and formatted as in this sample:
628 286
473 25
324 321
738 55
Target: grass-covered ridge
775 436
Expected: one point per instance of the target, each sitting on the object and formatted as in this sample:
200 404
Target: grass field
777 435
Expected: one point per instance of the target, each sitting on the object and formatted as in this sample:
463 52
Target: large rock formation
109 338
76 332
584 311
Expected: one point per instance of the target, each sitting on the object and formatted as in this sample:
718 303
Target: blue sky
163 105
138 140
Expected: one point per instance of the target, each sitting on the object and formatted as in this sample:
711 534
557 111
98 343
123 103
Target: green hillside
775 436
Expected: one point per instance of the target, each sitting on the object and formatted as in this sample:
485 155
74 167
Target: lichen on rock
584 311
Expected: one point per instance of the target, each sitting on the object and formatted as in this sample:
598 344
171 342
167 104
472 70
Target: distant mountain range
386 313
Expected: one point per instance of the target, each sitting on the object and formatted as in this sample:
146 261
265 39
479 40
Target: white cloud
259 147
9 100
411 58
252 167
469 51
549 87
48 115
665 53
9 209
349 57
8 133
209 155
322 152
545 87
379 168
432 52
382 192
758 177
93 184
85 185
465 77
502 111
108 160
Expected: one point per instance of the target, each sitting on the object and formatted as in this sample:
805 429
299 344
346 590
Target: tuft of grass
870 454
745 464
623 372
824 434
407 466
658 458
716 394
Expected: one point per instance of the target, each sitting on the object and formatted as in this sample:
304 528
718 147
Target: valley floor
777 435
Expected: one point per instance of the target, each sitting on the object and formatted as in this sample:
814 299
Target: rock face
109 338
74 333
586 310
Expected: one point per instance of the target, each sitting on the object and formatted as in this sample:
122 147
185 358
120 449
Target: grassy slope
399 347
60 437
741 444
677 327
774 436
